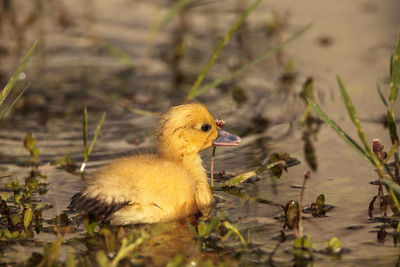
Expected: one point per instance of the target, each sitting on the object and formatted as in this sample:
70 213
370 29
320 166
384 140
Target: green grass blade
378 88
354 117
392 127
9 108
395 73
391 152
247 175
14 78
118 54
176 8
394 88
221 45
393 185
307 92
353 144
248 65
85 136
96 133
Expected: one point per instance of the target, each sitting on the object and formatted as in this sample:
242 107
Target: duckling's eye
205 127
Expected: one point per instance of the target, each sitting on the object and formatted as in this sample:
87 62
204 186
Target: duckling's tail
96 206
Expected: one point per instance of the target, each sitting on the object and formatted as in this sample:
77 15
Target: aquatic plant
213 234
13 80
373 154
196 91
86 150
30 145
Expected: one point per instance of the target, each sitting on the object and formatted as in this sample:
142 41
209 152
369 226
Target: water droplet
22 76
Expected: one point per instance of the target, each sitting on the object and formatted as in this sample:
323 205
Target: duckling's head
186 130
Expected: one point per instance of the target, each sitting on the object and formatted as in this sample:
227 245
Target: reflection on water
82 61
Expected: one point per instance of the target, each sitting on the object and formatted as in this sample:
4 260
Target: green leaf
85 136
7 233
70 259
15 219
213 225
392 127
354 117
333 245
15 77
307 92
395 74
320 200
393 185
96 133
223 42
245 176
202 229
29 142
353 144
4 196
90 225
378 87
51 252
192 229
87 151
236 231
10 107
102 259
40 206
17 199
28 215
302 247
177 261
14 235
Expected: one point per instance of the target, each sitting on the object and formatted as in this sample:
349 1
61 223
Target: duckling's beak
226 139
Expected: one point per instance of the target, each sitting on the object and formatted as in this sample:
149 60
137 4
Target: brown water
73 69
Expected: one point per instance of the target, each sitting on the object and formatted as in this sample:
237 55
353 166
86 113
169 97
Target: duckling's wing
97 206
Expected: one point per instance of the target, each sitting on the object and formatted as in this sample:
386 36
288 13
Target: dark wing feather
95 205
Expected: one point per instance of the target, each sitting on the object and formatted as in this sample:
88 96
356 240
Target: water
73 69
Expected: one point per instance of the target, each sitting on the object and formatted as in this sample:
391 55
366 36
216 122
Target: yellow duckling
166 186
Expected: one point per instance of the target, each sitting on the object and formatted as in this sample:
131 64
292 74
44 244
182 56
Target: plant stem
212 166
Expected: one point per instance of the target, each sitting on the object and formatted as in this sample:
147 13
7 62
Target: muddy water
73 69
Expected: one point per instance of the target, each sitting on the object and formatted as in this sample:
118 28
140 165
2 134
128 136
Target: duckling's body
166 186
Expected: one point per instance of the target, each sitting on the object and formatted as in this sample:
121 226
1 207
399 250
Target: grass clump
368 152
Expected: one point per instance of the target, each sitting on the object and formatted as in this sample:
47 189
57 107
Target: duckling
166 186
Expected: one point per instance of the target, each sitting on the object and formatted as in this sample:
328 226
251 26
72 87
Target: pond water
79 63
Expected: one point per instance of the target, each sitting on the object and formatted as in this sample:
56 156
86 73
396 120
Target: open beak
226 139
